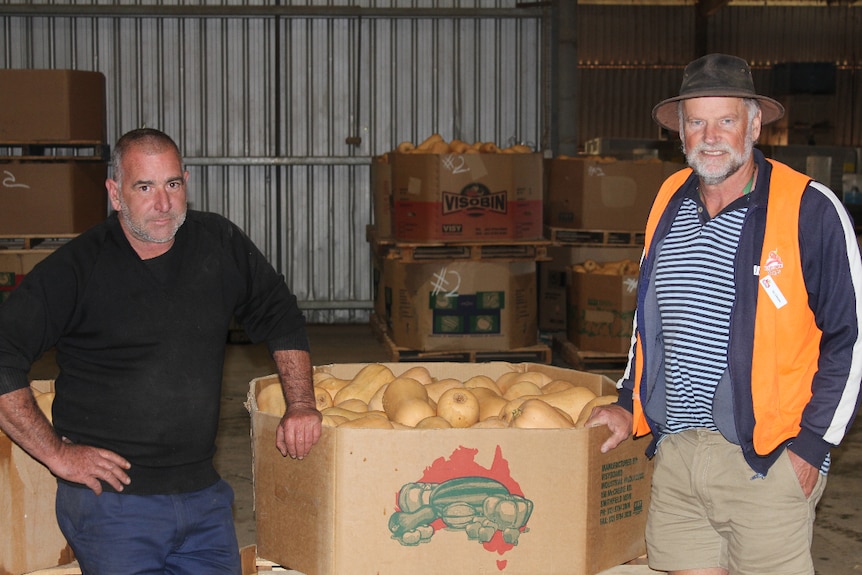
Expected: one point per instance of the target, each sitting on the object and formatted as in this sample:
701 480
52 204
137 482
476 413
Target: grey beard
142 234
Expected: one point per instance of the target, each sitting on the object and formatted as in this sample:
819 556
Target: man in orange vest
745 363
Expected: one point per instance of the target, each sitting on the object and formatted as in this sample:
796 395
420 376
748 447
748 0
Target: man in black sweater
138 309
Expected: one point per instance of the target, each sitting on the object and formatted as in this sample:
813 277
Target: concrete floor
837 547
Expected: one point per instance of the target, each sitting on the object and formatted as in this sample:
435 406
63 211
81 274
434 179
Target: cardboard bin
602 194
467 197
600 311
458 305
51 197
30 538
471 501
52 106
554 278
381 196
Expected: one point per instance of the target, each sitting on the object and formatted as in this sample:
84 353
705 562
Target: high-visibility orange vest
786 337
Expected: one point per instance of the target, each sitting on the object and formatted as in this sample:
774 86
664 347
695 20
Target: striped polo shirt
695 289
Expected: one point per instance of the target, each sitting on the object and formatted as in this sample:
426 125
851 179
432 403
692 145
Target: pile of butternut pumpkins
435 144
616 268
376 398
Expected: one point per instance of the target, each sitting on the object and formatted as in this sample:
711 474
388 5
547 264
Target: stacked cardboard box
438 216
466 197
52 151
595 210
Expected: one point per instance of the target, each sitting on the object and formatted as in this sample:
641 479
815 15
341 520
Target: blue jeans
181 534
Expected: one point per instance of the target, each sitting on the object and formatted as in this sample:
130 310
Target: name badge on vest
773 292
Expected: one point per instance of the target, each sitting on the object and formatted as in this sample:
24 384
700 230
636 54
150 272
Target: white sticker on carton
414 186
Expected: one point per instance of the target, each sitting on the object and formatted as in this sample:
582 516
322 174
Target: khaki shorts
708 509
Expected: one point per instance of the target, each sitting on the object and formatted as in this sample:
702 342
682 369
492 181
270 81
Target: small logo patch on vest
773 263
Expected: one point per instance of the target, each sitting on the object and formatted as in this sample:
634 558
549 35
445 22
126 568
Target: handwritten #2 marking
10 182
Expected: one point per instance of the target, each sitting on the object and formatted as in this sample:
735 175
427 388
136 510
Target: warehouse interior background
280 106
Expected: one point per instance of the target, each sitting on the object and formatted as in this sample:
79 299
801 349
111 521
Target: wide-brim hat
715 75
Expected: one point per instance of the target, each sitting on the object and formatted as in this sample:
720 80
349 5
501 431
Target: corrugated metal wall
279 116
631 57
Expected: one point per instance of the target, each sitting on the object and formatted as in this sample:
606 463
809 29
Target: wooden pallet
538 353
587 360
413 252
55 151
34 241
567 236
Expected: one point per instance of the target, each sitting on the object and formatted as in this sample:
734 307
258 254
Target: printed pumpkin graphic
486 504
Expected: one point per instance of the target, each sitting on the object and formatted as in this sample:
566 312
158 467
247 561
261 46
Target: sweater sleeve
25 330
268 311
832 267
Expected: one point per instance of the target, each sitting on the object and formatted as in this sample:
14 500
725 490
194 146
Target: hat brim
666 112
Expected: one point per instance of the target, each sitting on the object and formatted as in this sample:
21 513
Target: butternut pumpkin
491 406
506 380
458 146
571 401
322 399
483 393
354 404
401 389
333 420
482 381
490 423
440 148
429 142
411 411
331 384
376 401
345 413
588 408
510 409
319 376
459 407
420 373
537 377
521 388
536 414
270 400
368 421
439 387
365 384
434 422
557 385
